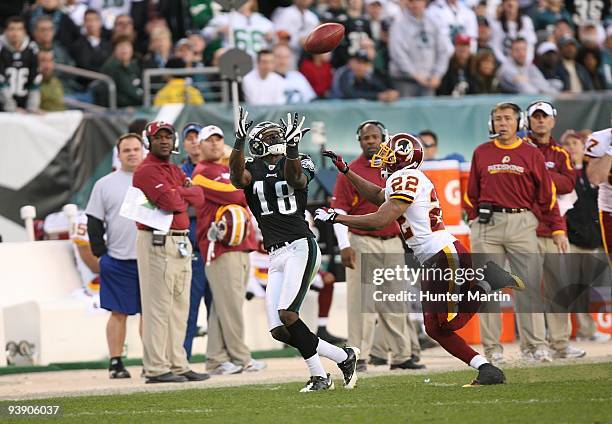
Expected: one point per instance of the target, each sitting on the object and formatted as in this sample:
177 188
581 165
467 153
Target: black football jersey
278 207
355 30
19 71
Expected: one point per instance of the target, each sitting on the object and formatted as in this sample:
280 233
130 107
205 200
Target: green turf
550 394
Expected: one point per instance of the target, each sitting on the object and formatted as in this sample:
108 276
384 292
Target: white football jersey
421 224
249 31
598 145
79 236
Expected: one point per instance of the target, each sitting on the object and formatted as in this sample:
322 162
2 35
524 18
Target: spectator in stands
547 61
263 86
43 34
126 72
484 35
575 77
553 11
297 87
113 240
379 29
596 11
296 20
268 7
591 35
430 144
110 10
590 59
357 29
198 45
160 50
184 50
563 29
91 50
51 90
318 71
227 266
458 79
510 25
76 10
418 51
178 89
124 27
359 80
517 75
66 31
455 18
606 59
19 78
252 30
484 73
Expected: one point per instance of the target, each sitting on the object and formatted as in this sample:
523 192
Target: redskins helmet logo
506 159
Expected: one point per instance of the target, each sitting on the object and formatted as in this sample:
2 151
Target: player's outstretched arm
293 167
239 176
371 192
388 212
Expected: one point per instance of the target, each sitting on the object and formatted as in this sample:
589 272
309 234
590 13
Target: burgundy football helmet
401 151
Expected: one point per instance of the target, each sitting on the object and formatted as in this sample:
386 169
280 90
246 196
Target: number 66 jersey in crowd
278 207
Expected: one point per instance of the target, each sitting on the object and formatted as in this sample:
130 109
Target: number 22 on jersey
285 197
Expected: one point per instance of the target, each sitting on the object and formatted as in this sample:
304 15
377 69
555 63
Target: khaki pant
511 236
555 272
584 265
227 276
361 324
165 282
380 348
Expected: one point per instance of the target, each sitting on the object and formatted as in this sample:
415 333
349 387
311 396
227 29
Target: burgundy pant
443 318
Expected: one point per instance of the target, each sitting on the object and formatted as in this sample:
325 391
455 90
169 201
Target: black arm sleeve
95 231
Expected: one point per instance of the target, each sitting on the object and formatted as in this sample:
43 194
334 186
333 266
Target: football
324 38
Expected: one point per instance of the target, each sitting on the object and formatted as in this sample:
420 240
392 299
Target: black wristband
292 152
239 144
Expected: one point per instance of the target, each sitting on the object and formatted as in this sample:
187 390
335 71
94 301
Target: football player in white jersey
410 198
599 150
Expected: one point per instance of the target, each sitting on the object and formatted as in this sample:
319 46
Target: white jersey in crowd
297 88
598 145
296 23
262 92
109 10
249 31
421 224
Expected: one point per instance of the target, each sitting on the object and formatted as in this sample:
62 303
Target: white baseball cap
206 132
546 47
368 2
543 106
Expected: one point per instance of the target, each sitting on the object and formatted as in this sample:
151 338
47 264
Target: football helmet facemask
401 151
266 138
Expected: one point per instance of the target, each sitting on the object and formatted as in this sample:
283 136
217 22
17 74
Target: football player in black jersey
19 77
275 181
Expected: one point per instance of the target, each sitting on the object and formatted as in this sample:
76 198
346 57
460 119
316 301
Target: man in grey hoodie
418 50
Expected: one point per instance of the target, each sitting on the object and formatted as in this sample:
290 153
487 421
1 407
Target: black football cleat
409 364
318 383
488 374
166 378
349 367
118 372
377 361
498 278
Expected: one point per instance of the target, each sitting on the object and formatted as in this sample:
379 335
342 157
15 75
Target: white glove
243 125
326 215
293 129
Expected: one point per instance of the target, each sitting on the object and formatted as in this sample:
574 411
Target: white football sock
315 366
332 352
477 361
322 321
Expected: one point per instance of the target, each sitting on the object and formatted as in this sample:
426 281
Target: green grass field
550 394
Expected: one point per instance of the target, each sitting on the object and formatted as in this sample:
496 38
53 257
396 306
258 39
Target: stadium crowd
392 49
